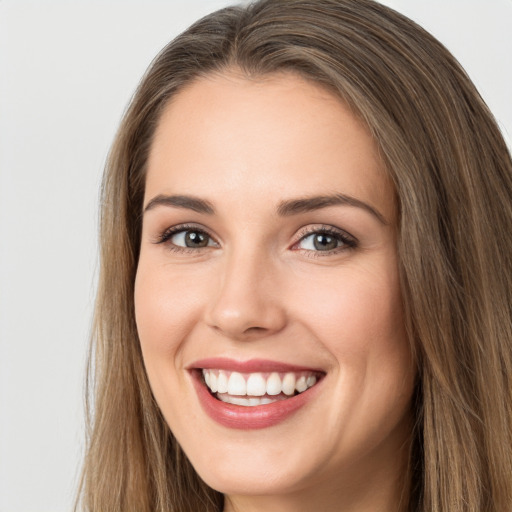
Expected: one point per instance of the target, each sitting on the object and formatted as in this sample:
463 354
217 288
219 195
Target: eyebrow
309 204
284 209
180 201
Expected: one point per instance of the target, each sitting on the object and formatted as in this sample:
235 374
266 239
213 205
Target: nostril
255 329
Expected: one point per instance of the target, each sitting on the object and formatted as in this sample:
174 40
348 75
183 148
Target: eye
327 240
193 239
184 237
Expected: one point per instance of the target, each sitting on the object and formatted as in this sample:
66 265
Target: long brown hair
453 178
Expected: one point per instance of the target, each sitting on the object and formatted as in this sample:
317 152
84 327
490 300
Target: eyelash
166 236
348 241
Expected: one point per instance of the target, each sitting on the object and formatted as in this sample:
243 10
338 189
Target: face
267 296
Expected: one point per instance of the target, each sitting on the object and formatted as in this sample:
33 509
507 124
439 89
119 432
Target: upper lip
249 366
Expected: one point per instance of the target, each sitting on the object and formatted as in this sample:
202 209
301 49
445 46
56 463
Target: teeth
289 384
246 402
301 384
274 384
235 385
222 382
213 382
256 385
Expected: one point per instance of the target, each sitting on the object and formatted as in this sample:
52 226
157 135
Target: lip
250 366
248 418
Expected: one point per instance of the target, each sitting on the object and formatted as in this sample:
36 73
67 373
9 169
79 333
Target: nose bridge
245 304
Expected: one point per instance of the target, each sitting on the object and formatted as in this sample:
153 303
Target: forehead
266 137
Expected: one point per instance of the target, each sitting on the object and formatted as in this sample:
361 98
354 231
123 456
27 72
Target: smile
253 394
254 389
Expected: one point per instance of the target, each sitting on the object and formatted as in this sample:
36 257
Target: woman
305 290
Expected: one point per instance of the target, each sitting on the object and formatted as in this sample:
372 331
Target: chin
261 474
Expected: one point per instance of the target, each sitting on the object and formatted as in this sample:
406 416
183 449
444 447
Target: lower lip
248 418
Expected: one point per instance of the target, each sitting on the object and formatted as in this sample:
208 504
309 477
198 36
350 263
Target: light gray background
67 70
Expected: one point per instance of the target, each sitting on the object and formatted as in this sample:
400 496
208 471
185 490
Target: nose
247 303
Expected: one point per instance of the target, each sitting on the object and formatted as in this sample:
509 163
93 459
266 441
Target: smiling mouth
257 388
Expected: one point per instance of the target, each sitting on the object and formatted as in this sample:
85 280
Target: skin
260 289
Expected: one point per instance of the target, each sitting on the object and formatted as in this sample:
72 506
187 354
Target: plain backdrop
67 71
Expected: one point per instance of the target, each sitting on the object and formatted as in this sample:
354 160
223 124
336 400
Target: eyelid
349 240
168 233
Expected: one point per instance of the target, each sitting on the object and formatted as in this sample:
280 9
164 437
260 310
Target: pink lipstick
253 394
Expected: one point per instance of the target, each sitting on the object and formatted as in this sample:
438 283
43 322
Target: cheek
358 318
357 310
164 312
